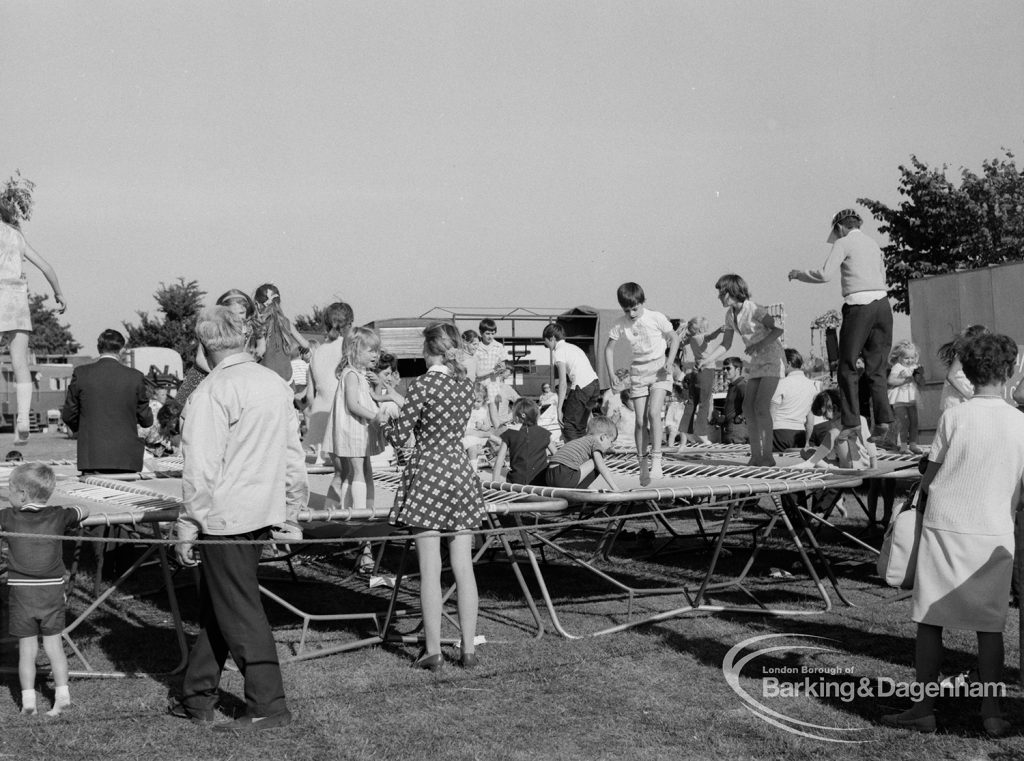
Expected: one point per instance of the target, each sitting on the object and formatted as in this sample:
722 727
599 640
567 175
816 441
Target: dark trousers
232 621
576 410
783 439
867 333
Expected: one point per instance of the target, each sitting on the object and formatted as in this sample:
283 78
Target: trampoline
144 511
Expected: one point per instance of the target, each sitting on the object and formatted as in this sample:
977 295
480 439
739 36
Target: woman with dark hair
956 389
965 558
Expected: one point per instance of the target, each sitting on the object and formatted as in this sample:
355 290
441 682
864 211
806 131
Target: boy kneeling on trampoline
579 462
36 579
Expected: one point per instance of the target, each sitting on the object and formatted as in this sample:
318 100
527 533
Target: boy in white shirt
578 390
650 374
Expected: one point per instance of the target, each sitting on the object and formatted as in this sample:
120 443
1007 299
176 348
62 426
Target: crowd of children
463 419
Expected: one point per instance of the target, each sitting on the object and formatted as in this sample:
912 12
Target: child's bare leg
641 434
54 649
367 475
428 553
22 383
338 491
460 553
28 649
640 426
656 403
902 426
912 428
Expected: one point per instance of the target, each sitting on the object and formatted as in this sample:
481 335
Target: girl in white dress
323 381
15 324
353 432
965 559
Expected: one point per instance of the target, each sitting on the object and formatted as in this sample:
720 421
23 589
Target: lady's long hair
442 340
272 320
337 319
951 350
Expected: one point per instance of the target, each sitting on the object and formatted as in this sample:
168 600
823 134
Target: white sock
28 699
23 392
61 700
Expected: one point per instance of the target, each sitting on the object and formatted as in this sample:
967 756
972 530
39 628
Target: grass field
655 692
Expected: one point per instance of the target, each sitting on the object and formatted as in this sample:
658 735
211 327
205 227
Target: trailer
943 305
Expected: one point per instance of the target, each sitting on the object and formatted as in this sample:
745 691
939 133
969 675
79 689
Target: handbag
897 561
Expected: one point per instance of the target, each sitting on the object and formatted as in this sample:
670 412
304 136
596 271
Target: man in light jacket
244 473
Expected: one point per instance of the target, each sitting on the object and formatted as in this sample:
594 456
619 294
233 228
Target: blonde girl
904 379
15 324
279 341
353 433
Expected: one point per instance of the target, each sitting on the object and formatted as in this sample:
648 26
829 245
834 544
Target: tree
310 323
943 228
48 336
180 303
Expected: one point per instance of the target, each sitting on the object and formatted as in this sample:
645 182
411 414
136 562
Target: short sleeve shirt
576 452
577 366
645 334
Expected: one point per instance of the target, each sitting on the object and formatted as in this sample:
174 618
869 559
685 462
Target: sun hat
839 217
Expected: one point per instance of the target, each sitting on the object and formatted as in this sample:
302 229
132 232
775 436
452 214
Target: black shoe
255 723
469 661
179 710
429 662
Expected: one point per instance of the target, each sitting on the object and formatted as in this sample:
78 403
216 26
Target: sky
406 155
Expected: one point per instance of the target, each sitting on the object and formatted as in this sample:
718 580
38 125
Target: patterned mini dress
440 491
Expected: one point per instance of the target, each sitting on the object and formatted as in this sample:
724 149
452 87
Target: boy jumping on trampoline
650 374
36 577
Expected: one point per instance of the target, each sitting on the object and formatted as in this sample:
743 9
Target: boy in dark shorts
579 462
35 579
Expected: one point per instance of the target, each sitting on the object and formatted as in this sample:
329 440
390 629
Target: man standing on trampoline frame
867 317
244 473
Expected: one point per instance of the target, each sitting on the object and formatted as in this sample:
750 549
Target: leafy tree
180 303
49 336
942 227
310 323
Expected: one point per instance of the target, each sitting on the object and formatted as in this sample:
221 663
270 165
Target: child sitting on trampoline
36 576
841 447
579 462
527 444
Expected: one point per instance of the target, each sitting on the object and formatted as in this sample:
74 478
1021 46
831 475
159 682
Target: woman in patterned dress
440 490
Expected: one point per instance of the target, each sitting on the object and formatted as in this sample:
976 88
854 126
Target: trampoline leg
172 603
532 557
808 565
527 595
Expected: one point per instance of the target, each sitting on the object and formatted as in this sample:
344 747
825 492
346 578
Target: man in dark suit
104 404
